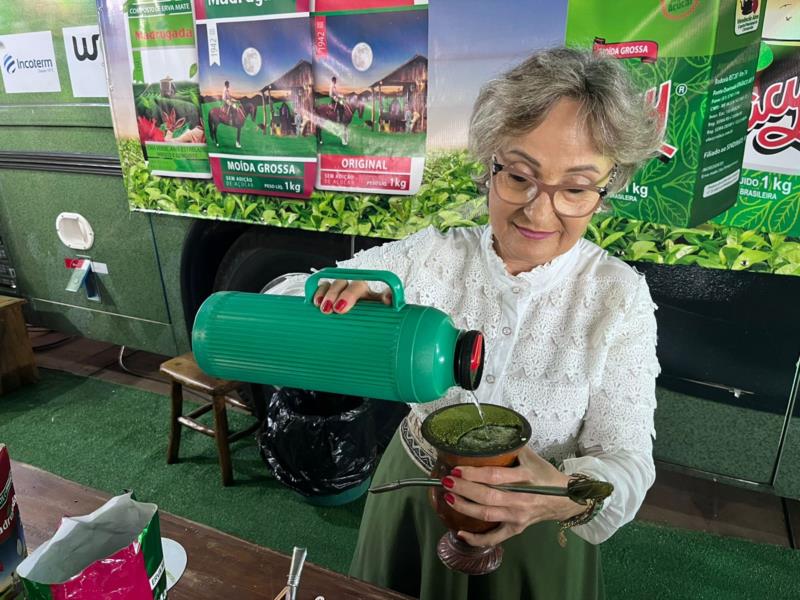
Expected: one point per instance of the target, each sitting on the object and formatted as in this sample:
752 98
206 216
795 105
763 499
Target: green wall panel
50 108
80 115
97 325
716 437
85 140
169 233
29 204
787 482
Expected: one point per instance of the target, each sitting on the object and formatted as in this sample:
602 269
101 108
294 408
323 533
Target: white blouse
570 345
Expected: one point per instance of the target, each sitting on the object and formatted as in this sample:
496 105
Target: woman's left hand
513 510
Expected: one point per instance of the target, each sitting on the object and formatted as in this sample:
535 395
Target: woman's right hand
341 295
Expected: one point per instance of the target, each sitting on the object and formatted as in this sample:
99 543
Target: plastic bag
114 552
318 443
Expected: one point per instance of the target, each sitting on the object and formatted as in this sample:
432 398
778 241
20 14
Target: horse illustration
340 113
234 118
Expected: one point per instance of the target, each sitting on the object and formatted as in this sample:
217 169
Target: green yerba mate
489 437
695 61
460 427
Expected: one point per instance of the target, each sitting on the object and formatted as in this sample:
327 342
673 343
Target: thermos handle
387 277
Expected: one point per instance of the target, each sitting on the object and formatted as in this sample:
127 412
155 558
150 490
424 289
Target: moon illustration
362 56
251 61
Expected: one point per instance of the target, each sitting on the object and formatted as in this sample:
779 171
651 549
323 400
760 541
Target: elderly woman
570 339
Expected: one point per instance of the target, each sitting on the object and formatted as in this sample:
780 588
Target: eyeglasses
514 186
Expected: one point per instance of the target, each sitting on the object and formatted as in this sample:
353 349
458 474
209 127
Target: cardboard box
12 542
696 62
769 191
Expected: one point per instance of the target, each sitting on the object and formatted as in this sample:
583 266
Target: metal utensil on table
578 490
295 569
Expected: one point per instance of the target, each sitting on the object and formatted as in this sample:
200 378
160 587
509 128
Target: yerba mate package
163 59
769 191
696 62
370 94
12 541
114 552
256 86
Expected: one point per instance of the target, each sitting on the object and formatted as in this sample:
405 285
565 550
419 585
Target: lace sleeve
401 258
620 413
616 437
292 285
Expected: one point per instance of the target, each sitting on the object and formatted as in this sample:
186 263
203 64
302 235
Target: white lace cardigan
570 345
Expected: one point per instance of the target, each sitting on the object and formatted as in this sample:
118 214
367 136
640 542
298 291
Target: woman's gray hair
622 125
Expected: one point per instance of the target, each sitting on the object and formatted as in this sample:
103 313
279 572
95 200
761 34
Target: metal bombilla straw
296 568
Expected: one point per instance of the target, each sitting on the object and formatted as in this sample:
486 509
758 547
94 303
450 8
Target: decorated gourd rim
495 415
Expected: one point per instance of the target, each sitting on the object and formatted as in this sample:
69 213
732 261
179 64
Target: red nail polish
455 473
448 482
326 306
449 498
340 305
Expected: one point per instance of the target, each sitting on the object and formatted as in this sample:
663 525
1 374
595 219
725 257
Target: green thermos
401 352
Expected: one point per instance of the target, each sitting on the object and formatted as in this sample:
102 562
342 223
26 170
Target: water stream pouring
402 352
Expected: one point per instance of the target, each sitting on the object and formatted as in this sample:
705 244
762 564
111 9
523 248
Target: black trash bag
388 415
318 444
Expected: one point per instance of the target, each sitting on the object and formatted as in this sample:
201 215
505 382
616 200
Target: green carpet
113 437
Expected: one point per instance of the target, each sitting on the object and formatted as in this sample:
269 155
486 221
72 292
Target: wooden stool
184 371
17 366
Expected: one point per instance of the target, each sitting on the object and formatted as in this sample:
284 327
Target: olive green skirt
397 549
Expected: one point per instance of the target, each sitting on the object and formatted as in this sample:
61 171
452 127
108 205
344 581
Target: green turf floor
114 437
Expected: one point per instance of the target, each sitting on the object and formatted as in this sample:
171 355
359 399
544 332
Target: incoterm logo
9 64
28 63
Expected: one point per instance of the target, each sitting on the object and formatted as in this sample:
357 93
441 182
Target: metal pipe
296 568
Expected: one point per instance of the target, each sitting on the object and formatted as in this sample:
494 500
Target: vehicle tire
262 254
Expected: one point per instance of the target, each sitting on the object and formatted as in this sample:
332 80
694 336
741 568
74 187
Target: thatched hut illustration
167 88
407 86
294 86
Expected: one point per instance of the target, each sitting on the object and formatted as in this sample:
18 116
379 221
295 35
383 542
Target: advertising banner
85 61
163 61
465 55
769 190
677 48
29 63
696 63
256 86
51 55
370 94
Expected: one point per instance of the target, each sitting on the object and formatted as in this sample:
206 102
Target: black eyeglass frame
550 190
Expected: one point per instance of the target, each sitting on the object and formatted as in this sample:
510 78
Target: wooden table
17 365
220 565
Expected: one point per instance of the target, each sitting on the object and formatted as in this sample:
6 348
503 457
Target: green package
769 191
696 62
163 57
